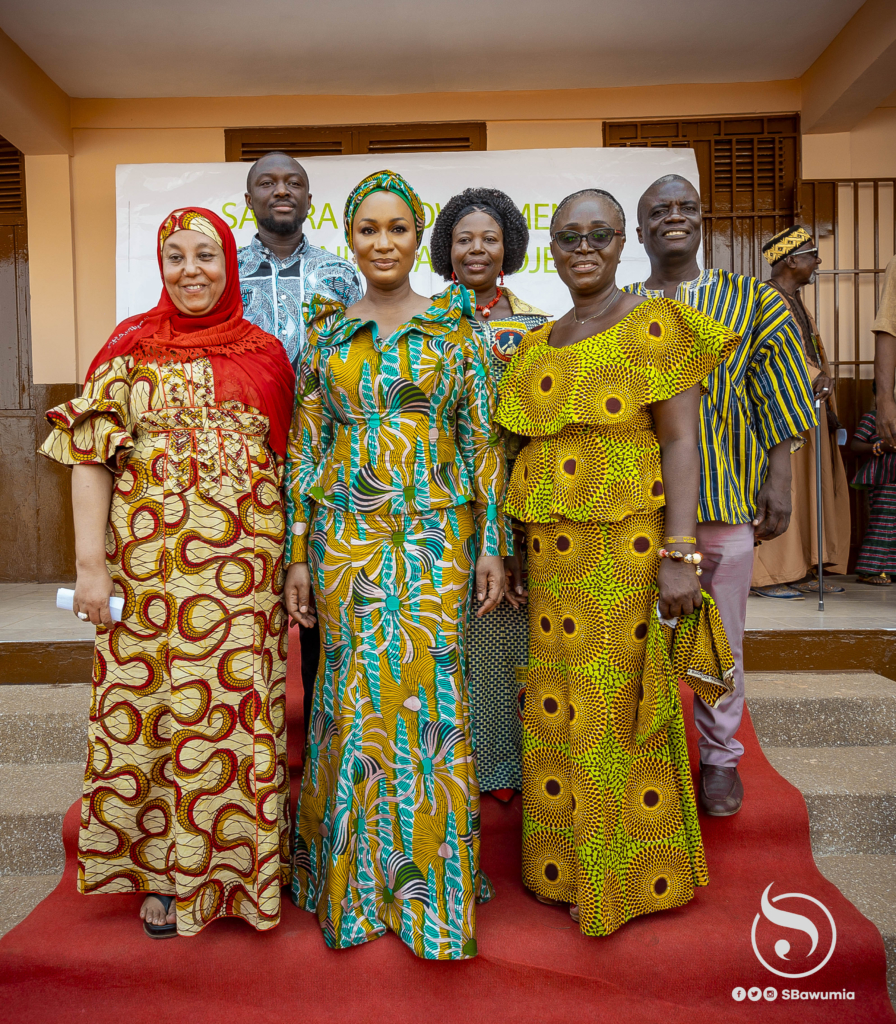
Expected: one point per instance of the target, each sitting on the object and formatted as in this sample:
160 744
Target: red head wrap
249 365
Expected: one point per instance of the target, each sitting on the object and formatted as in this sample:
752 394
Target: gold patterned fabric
387 829
609 817
783 243
186 786
396 425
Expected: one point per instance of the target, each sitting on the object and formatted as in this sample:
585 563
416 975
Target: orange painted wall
110 132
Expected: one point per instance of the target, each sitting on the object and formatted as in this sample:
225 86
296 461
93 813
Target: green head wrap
383 181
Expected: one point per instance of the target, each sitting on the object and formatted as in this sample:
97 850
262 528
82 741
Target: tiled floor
28 611
860 607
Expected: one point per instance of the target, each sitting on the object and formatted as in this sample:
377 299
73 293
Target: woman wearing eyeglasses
606 401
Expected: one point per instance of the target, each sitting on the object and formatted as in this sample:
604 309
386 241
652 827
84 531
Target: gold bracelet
680 540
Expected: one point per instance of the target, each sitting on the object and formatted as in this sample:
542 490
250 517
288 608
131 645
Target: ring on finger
83 616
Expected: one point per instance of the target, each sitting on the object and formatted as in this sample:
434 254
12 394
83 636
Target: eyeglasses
806 252
599 238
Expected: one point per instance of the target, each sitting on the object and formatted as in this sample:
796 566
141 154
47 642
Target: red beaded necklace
487 308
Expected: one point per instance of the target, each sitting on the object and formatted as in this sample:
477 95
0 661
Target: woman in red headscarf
177 446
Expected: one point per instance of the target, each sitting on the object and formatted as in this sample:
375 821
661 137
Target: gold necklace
601 312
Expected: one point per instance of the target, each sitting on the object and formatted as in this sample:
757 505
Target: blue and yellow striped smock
758 398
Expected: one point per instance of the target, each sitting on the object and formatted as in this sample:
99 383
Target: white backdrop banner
535 179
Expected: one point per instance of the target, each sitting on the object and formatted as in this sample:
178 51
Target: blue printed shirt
275 290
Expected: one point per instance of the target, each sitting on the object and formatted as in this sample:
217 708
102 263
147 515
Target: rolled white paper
66 598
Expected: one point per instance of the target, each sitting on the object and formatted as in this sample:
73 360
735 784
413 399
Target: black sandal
161 931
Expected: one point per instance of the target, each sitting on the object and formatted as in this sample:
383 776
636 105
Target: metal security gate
854 223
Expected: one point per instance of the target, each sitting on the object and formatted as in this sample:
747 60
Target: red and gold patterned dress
186 783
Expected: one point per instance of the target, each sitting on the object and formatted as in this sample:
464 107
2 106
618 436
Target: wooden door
36 531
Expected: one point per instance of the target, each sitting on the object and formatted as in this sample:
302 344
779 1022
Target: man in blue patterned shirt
757 405
279 271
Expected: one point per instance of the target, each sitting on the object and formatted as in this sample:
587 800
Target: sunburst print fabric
396 479
609 818
186 785
595 456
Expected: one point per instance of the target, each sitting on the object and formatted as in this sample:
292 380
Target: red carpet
79 958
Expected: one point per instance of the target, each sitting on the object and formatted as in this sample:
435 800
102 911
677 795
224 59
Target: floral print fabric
395 483
387 830
398 425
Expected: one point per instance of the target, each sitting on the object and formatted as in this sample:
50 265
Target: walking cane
819 512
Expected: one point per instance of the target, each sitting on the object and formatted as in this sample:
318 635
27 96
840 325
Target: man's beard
280 227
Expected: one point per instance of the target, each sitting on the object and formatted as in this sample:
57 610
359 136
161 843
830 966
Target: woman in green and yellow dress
606 398
479 236
395 483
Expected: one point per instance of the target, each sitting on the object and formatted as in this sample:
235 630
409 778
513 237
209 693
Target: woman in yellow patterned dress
394 486
606 398
177 446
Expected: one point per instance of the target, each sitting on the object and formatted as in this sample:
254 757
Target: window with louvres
749 168
248 144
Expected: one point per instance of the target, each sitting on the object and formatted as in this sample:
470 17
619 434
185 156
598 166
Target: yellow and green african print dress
609 817
395 483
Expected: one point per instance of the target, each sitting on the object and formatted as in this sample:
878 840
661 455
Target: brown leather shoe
721 791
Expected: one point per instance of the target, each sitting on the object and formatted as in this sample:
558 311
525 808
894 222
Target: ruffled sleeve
592 453
658 350
97 427
479 445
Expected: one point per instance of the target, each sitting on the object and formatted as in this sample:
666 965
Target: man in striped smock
758 405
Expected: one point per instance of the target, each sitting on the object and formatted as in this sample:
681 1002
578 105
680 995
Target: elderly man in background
793 256
758 405
279 271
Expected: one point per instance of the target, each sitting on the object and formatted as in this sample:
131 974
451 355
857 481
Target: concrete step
44 724
822 709
869 882
33 802
850 793
20 894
